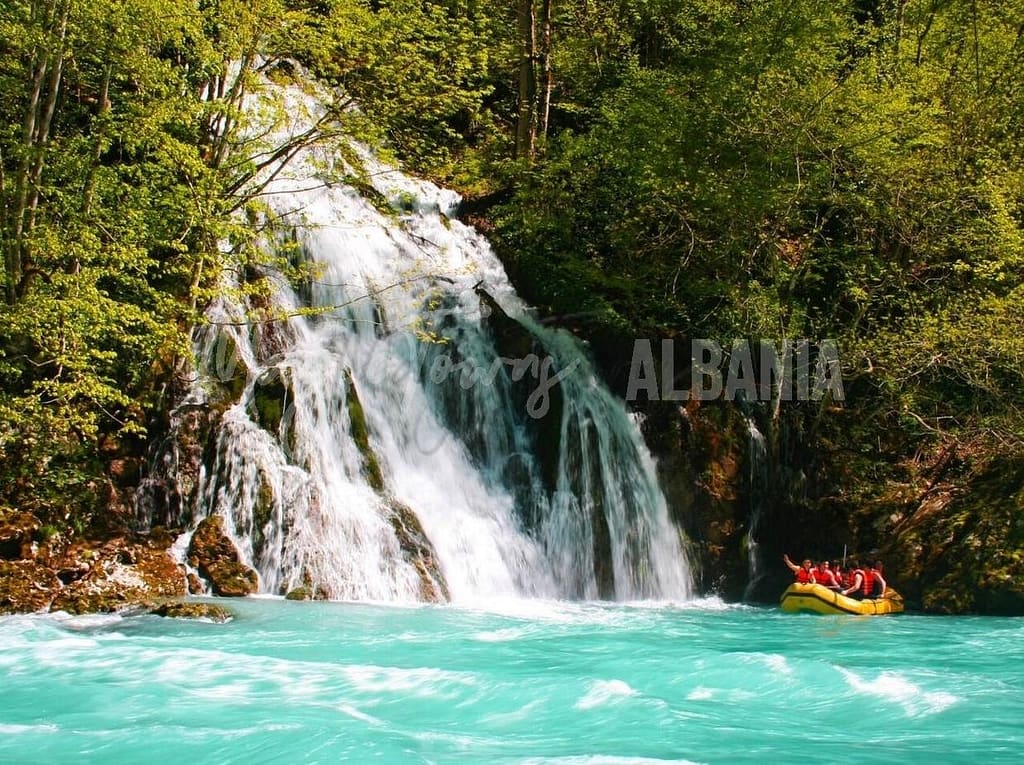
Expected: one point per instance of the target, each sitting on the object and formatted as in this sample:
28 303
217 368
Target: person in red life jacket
879 586
855 582
823 575
838 573
849 578
867 587
802 572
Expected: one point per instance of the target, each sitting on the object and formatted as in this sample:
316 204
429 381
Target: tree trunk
101 133
547 76
526 123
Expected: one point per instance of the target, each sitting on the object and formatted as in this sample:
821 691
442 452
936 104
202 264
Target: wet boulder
216 558
418 550
232 579
178 609
270 398
361 434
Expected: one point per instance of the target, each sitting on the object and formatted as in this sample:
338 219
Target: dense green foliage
810 169
124 156
696 168
102 183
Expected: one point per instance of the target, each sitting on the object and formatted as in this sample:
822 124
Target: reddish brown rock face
215 556
84 577
118 575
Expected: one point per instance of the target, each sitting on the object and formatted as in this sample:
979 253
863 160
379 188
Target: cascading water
385 445
757 456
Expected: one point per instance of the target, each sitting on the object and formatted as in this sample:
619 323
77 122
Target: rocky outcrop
53 572
117 575
270 396
167 495
701 457
517 346
216 558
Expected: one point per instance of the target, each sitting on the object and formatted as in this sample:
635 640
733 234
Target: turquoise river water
517 682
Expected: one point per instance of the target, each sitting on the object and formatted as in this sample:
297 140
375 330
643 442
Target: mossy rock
210 543
215 556
270 397
187 610
419 551
118 576
517 345
231 579
511 339
262 512
26 586
361 434
229 369
963 547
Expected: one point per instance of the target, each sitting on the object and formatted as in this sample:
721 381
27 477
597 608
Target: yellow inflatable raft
817 599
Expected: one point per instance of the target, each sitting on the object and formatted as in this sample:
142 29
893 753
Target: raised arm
792 566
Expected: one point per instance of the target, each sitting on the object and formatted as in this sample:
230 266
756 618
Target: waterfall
757 480
378 441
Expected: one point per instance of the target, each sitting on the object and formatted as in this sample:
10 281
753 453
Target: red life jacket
850 578
869 582
803 576
823 577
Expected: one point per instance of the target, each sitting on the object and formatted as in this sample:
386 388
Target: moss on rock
26 586
179 609
216 558
232 579
119 575
270 397
361 434
419 551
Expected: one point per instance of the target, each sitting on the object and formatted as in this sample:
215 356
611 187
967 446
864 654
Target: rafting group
831 587
853 580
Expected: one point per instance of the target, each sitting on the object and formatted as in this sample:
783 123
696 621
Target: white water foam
603 692
421 681
13 729
897 689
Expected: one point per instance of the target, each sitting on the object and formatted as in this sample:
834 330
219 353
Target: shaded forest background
646 168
